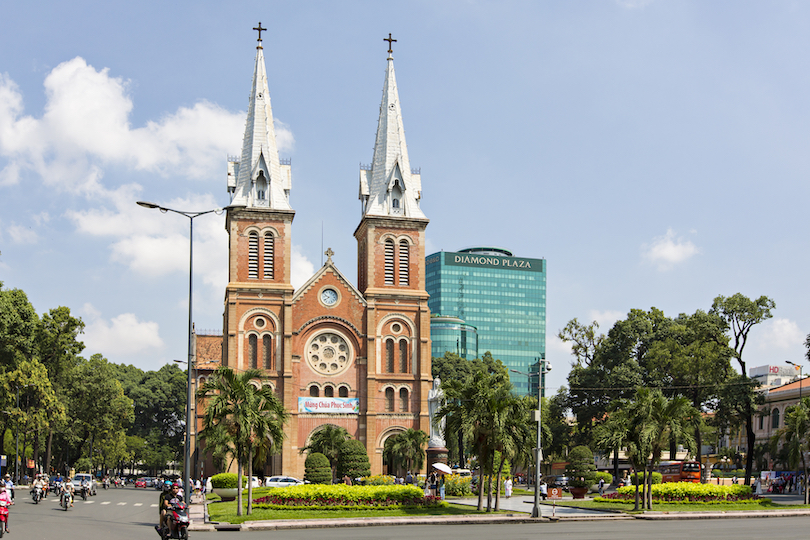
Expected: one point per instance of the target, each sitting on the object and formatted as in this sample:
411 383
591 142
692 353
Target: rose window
328 353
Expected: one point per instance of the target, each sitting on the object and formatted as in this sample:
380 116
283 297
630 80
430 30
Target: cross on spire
329 254
389 40
260 30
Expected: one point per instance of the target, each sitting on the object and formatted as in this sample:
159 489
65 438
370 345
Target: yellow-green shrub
342 495
687 492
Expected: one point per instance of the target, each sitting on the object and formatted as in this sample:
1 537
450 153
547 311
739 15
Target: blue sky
654 152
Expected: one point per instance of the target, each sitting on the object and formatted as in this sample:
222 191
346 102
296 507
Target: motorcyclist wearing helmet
5 496
67 489
168 499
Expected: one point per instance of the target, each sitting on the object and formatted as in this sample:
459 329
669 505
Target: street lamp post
543 368
799 367
190 215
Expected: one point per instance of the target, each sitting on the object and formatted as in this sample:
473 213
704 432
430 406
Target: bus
680 471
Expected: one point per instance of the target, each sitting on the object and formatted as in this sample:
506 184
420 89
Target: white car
282 481
255 482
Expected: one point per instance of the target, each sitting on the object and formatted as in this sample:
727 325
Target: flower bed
343 496
686 492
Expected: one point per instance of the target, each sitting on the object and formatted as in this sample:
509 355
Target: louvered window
267 349
343 391
389 356
389 262
328 391
403 262
403 356
268 255
389 399
253 256
253 343
403 400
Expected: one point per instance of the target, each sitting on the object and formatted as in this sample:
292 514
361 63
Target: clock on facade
329 297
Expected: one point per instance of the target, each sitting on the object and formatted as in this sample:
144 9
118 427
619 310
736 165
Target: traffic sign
555 494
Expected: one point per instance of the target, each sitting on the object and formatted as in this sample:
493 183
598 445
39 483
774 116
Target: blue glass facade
503 296
451 334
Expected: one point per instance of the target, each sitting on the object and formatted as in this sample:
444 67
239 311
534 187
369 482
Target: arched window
403 399
268 255
314 391
395 203
343 391
253 255
775 419
403 262
261 186
403 356
267 350
389 356
328 391
389 399
389 262
253 342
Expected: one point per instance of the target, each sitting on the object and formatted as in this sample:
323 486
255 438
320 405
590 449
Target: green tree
18 327
317 469
580 469
741 314
253 418
353 460
583 338
327 441
405 450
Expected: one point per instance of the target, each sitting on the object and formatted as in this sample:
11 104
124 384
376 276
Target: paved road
126 512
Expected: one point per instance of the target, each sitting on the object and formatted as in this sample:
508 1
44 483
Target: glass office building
451 334
502 296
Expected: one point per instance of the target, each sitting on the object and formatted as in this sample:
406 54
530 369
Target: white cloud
124 335
668 250
86 126
557 348
605 319
780 334
22 235
301 267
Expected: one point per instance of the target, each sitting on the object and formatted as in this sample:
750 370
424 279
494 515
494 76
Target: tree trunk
498 485
616 466
250 481
699 455
239 486
36 447
48 449
648 476
749 433
481 461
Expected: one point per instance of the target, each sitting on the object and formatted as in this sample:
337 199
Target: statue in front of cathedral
435 401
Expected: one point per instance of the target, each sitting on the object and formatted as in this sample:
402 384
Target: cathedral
335 353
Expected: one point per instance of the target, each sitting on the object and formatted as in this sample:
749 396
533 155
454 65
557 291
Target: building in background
451 334
502 296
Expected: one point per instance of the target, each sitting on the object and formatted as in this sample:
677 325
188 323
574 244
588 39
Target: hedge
379 480
657 478
674 492
341 495
457 485
227 481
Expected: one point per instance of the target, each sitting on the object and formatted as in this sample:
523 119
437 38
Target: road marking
106 502
138 504
153 506
89 502
121 504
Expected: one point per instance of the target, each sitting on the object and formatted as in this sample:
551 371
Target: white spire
258 179
389 187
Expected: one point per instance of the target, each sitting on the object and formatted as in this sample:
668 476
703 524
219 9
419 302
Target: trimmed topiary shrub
317 469
353 460
580 470
657 478
227 481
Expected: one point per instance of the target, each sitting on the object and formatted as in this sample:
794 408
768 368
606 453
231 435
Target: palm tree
327 441
252 417
515 435
794 433
406 448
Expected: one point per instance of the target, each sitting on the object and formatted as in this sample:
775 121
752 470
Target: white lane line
153 506
106 502
121 504
89 502
138 504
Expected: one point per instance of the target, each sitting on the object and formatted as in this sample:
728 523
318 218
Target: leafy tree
353 460
327 441
252 417
18 327
580 469
317 469
406 450
741 314
584 340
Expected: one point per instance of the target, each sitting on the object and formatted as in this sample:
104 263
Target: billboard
329 405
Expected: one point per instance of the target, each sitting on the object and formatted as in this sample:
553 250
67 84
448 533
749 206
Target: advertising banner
329 405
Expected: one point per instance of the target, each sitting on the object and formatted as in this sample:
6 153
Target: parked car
255 482
282 481
140 482
557 480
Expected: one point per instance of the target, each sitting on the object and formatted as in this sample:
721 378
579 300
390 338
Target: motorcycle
106 484
36 494
66 500
85 490
177 514
3 517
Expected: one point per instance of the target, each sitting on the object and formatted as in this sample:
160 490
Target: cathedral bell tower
259 220
391 265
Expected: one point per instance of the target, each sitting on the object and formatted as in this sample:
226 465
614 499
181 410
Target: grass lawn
764 504
226 512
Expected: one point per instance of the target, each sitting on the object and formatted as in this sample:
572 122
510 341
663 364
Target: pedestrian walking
507 487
